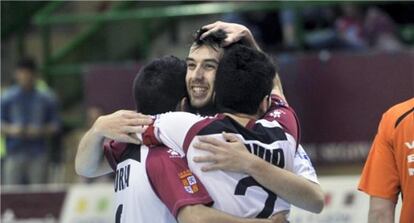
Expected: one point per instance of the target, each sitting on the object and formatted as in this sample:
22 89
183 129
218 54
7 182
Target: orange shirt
389 168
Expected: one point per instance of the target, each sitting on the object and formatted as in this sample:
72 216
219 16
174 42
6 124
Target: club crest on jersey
189 181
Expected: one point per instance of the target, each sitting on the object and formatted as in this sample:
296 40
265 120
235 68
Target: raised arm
118 126
277 87
235 33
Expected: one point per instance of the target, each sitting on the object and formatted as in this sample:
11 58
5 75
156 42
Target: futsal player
248 188
119 123
138 168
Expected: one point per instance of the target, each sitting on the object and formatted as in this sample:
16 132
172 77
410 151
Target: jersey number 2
118 214
247 182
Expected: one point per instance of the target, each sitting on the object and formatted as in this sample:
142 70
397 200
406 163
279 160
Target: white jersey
135 199
235 193
141 176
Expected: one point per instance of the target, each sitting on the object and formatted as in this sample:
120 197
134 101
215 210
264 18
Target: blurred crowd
343 27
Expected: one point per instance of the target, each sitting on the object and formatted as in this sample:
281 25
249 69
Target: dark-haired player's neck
207 110
242 119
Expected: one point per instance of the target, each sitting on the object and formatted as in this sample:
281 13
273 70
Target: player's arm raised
277 87
232 156
119 126
235 33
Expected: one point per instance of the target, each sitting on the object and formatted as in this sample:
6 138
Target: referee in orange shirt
389 169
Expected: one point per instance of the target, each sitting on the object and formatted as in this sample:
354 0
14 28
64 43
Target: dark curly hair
160 85
213 40
244 77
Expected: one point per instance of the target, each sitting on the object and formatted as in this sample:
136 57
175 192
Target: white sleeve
302 165
172 128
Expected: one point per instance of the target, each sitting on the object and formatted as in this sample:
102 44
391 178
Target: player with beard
200 83
136 197
248 180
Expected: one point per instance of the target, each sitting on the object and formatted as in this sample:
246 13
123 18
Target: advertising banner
89 204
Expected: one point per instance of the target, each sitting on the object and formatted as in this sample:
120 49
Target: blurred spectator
319 26
288 22
29 117
265 27
380 30
350 28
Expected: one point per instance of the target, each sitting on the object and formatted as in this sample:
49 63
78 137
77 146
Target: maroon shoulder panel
172 180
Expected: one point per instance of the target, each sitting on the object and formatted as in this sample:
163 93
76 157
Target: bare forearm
89 155
200 214
249 39
290 187
120 126
277 87
380 217
381 210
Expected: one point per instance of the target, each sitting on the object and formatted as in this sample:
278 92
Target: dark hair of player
213 40
160 85
243 78
27 63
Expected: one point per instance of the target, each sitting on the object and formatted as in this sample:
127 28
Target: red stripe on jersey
285 115
148 137
113 151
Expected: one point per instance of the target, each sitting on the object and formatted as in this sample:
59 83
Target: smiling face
202 63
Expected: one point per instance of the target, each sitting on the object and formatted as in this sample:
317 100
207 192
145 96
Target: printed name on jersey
410 145
122 178
273 156
189 181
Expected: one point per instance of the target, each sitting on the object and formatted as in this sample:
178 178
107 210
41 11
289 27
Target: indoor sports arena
207 111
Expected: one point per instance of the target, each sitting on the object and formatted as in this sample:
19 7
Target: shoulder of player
177 115
115 145
208 124
279 107
393 116
279 101
114 150
162 159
